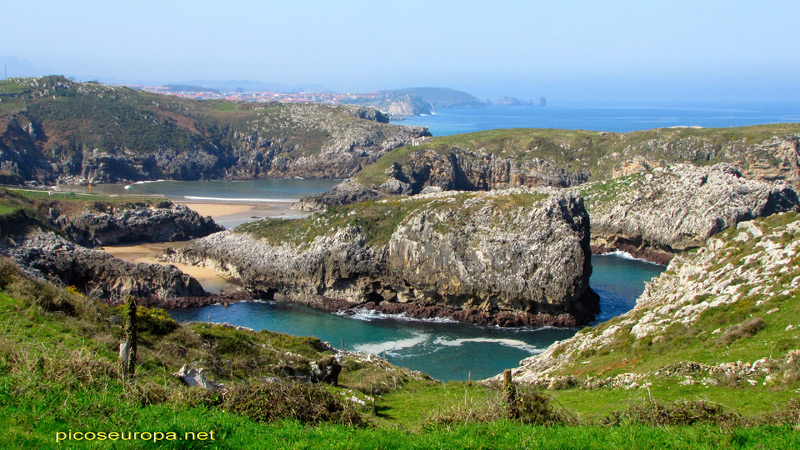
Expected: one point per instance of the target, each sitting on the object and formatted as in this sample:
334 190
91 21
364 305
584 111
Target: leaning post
510 395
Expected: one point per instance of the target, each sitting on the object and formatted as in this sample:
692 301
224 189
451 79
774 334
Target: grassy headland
599 152
377 220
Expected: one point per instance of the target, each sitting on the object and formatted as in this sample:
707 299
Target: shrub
745 329
155 321
535 408
788 415
307 403
681 412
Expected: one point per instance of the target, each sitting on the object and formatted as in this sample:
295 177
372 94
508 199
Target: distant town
241 95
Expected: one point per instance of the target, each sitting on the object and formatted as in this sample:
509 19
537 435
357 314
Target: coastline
212 281
232 214
228 214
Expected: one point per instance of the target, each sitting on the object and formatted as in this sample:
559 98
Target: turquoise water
601 118
446 351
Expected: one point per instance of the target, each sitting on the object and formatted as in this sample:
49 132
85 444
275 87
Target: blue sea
602 118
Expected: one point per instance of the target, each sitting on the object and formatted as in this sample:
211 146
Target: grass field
58 375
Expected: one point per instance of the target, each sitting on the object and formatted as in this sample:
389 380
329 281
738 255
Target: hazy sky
620 51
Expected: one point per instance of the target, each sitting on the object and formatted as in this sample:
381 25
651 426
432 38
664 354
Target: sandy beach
211 280
228 215
232 214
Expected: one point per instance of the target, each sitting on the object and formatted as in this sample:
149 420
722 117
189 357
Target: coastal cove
446 351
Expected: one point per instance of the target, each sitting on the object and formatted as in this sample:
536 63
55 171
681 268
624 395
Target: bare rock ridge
739 287
97 273
508 258
133 225
669 210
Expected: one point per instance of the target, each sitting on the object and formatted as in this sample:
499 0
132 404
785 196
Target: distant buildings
260 96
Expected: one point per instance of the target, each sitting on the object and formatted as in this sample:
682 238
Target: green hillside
130 132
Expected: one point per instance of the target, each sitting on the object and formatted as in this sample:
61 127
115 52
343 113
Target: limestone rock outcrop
753 267
132 225
344 193
96 273
509 258
671 209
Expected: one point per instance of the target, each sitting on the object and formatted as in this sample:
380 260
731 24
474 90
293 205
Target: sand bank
231 215
211 280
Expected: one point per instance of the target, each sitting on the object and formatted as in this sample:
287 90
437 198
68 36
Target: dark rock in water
96 273
144 224
224 298
497 258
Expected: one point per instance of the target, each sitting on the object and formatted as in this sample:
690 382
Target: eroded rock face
754 265
504 257
147 224
96 273
671 209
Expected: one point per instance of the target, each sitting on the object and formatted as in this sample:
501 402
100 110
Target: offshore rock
672 209
142 224
96 273
509 258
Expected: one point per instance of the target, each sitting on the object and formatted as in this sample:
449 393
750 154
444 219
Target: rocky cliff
704 321
534 157
52 129
505 258
132 225
667 210
96 273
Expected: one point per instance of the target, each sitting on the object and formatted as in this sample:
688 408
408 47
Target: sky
572 51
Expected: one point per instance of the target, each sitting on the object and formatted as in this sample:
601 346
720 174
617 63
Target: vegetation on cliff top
22 210
376 220
594 151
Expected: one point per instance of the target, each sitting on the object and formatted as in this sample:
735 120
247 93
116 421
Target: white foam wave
225 199
628 256
143 182
505 342
392 346
369 315
265 302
